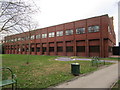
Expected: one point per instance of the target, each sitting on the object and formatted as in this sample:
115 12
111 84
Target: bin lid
75 63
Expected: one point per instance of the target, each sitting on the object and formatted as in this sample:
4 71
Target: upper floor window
69 32
38 36
19 39
44 35
32 37
59 33
109 30
15 39
12 40
80 30
93 29
52 34
22 38
27 37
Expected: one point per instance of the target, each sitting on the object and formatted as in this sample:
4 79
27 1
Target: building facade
88 37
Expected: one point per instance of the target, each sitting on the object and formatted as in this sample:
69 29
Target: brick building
88 37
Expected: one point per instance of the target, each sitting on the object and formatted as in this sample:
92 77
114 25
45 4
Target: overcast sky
53 12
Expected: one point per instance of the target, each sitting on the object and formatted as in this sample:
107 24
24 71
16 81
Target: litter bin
75 69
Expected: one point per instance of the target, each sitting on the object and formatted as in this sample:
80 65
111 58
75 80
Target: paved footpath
102 78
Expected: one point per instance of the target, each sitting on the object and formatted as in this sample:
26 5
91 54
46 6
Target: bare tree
15 17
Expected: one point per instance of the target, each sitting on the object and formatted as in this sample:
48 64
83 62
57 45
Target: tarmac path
102 78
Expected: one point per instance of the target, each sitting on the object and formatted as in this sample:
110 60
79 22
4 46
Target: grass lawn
42 71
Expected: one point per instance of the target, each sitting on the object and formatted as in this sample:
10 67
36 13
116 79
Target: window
12 40
94 49
51 49
27 37
80 30
110 49
51 34
32 49
22 38
69 32
93 29
59 49
19 39
59 33
19 49
38 36
69 49
44 35
23 49
15 39
38 49
109 30
80 48
27 49
32 37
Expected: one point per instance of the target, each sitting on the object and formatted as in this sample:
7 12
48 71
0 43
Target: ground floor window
94 48
69 49
38 49
80 48
32 49
27 49
51 49
44 49
59 49
23 49
110 49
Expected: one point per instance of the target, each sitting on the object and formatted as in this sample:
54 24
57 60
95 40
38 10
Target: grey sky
53 12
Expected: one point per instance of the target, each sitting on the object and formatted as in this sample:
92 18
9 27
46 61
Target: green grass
116 86
42 71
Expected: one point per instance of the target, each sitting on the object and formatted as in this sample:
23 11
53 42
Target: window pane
38 36
80 30
32 37
80 48
37 49
51 34
94 49
59 49
69 32
69 49
60 33
93 29
44 35
51 49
